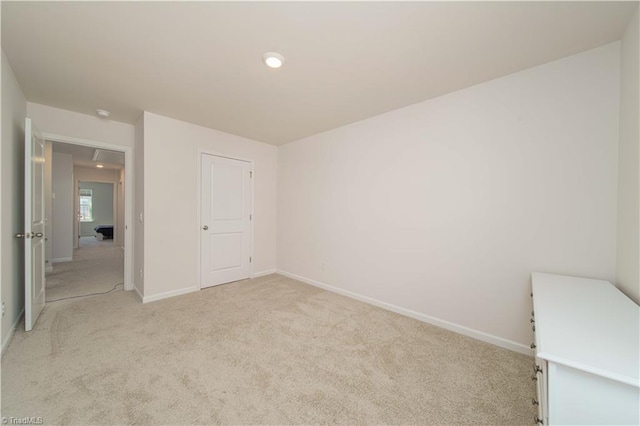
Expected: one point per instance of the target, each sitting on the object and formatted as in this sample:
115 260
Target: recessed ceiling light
273 59
99 166
103 113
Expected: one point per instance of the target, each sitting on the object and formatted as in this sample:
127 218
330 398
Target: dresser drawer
581 398
540 373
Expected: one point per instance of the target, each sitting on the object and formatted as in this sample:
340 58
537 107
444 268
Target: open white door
225 220
34 224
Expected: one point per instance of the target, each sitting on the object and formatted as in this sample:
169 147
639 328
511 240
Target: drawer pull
536 369
533 327
533 346
534 377
532 320
535 401
538 420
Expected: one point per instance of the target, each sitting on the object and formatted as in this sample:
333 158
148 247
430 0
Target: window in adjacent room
86 205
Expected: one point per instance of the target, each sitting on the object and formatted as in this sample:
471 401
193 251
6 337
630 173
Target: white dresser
587 346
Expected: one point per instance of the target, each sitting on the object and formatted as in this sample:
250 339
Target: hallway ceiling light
102 113
273 59
99 166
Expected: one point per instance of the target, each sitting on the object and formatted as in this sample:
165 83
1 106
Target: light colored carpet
263 351
92 241
94 269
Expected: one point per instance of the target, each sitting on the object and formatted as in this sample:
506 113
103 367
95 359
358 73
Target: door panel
34 224
226 251
225 220
226 183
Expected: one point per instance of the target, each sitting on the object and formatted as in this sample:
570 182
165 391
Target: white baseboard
160 296
263 273
460 329
14 326
135 288
62 259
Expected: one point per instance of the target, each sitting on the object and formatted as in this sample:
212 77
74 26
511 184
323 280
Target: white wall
444 208
62 207
14 109
171 231
628 257
138 207
72 124
102 206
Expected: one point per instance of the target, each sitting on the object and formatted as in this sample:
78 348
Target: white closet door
225 220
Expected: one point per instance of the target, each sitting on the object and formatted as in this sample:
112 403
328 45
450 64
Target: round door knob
38 235
19 235
205 227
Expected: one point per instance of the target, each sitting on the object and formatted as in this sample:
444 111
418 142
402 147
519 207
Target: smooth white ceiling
201 62
82 156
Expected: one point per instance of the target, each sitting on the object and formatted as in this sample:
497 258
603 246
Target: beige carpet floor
97 267
92 241
263 351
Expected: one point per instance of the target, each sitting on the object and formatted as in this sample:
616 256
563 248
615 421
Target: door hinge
250 174
249 260
250 217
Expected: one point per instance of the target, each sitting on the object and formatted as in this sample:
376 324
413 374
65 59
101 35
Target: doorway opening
97 208
88 207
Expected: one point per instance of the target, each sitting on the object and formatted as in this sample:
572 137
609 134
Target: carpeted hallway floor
97 267
269 350
93 241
